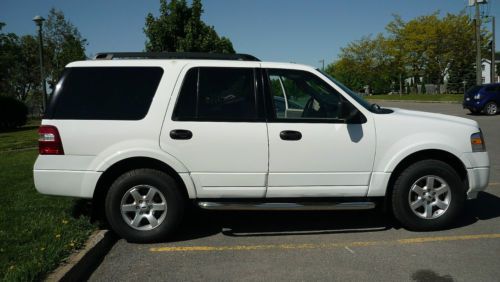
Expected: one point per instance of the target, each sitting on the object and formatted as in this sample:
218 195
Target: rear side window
490 89
217 94
105 93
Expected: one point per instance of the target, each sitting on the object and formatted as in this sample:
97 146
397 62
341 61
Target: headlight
477 142
477 96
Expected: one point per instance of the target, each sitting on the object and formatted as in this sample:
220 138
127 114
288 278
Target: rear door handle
290 135
181 134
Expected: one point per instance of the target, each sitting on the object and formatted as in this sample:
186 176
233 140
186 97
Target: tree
19 71
434 48
179 28
366 62
9 47
26 76
63 44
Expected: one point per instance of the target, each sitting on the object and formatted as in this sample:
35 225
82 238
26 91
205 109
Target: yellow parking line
494 184
448 238
324 246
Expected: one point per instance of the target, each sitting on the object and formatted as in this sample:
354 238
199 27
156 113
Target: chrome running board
306 206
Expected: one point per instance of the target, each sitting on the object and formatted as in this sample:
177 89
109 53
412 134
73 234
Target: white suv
143 133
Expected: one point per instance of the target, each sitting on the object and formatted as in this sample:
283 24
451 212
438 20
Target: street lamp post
39 22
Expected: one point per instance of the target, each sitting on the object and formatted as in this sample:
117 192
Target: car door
216 128
322 145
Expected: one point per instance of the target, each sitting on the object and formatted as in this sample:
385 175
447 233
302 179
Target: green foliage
25 76
63 44
13 113
366 62
434 47
20 63
179 28
37 232
19 71
427 49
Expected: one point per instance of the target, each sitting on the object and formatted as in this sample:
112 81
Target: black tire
142 180
474 111
422 171
491 108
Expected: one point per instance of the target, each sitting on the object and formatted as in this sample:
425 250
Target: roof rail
174 55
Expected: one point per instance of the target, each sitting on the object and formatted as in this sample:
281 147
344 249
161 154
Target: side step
306 206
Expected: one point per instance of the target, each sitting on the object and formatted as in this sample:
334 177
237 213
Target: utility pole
322 61
400 84
478 45
492 68
39 22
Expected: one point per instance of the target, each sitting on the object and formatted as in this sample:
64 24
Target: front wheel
428 195
474 111
144 205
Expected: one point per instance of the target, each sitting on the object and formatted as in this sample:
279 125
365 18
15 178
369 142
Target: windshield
351 93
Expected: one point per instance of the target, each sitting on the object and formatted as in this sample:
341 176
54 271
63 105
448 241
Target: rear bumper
79 184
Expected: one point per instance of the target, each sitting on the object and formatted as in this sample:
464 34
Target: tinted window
299 95
217 94
473 90
490 89
105 93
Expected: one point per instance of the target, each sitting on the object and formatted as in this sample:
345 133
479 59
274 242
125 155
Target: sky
297 31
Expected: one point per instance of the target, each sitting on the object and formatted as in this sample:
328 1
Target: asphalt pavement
333 246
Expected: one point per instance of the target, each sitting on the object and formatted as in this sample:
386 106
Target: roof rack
174 55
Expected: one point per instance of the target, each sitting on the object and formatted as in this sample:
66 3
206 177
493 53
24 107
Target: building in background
486 67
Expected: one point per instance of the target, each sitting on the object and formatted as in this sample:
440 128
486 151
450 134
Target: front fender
396 152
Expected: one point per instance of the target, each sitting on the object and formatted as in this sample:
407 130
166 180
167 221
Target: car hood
434 117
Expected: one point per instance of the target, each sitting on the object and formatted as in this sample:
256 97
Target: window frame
258 105
272 116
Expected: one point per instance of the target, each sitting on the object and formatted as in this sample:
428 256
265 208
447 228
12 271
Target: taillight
49 141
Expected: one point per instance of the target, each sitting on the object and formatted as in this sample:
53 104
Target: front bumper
478 180
472 104
478 172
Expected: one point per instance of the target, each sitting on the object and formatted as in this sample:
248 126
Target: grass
457 98
37 232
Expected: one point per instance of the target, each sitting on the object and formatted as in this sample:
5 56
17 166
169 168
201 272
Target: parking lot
346 246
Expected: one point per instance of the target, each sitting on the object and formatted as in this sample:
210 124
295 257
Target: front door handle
290 135
181 134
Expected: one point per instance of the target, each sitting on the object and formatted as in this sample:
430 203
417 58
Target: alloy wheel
429 197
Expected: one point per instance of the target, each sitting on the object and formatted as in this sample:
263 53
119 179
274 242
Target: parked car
145 134
483 98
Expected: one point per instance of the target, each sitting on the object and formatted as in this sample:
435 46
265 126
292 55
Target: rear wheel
428 195
491 108
144 205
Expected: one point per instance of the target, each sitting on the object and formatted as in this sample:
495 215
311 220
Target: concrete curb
81 265
413 101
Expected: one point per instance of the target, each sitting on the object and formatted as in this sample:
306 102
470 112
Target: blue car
483 98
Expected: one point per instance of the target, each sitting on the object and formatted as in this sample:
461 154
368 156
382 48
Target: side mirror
352 114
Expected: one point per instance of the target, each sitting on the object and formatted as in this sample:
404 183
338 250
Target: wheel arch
114 171
435 154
